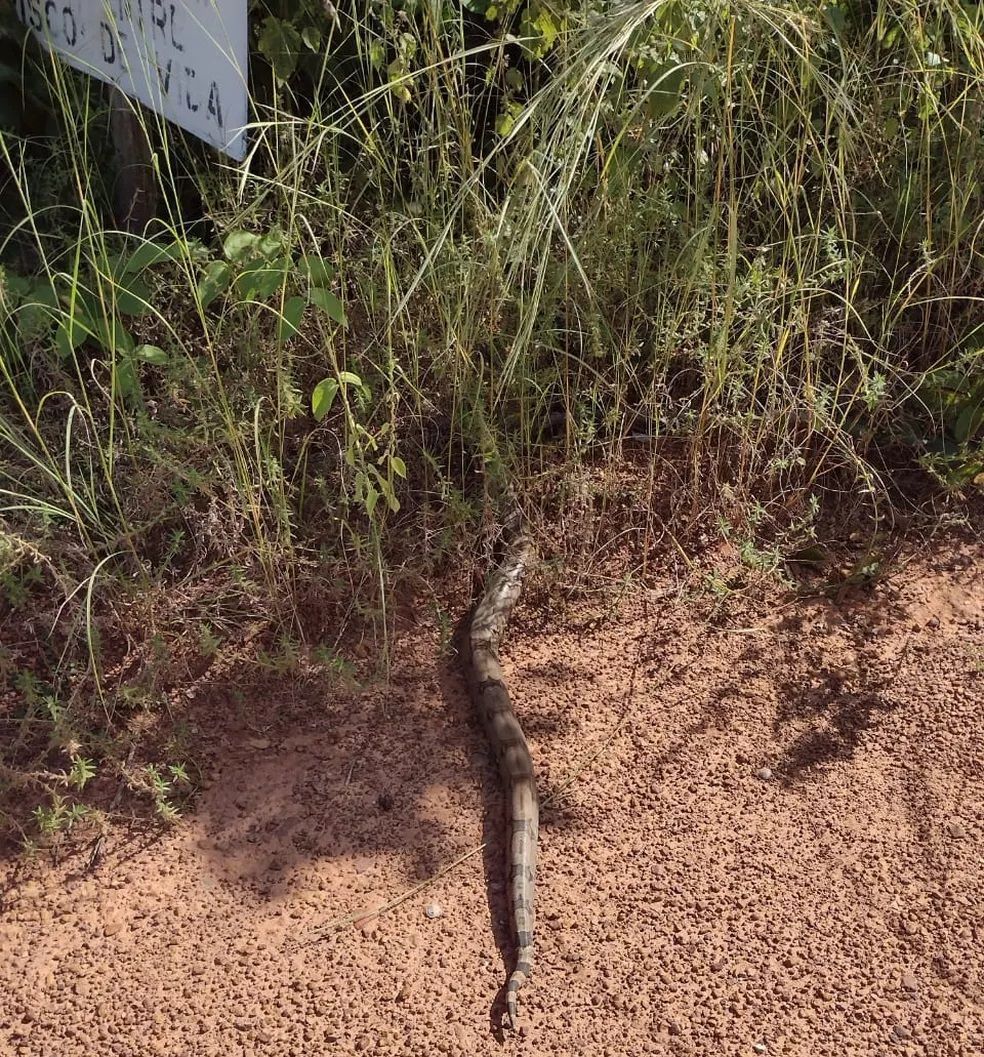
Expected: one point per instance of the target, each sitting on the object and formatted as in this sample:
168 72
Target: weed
468 249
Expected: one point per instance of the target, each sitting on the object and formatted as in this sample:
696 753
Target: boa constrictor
491 698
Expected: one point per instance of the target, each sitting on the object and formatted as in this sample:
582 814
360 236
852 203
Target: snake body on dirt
491 698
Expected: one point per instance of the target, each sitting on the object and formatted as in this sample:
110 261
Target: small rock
433 910
900 1031
672 1027
111 928
384 802
956 829
765 773
760 1047
258 743
909 982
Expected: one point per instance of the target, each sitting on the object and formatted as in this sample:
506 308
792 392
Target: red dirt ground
771 842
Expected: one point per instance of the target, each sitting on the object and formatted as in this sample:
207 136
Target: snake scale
491 698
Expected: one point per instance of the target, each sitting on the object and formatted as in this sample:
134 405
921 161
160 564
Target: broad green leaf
399 466
113 336
74 329
318 270
667 84
133 299
311 38
152 354
348 378
506 121
262 281
835 18
271 244
214 281
127 381
18 285
399 85
323 397
148 254
239 246
969 421
290 319
328 303
69 336
280 45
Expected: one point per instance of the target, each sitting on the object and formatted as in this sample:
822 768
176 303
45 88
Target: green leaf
147 254
133 299
280 45
215 281
72 332
348 378
318 270
328 303
152 354
323 397
397 72
311 38
239 246
271 245
668 83
127 382
290 319
113 336
506 121
68 337
262 281
969 421
835 18
399 466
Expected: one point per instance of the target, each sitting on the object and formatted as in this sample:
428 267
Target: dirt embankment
773 843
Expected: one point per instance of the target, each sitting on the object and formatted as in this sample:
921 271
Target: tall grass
753 227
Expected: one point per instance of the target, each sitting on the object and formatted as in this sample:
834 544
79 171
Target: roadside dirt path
779 851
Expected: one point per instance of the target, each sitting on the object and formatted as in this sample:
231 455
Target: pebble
111 928
433 910
909 982
956 829
760 1047
765 773
900 1031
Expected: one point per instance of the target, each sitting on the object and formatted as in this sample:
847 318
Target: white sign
186 59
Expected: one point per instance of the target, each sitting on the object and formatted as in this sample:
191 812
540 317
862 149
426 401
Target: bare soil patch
764 834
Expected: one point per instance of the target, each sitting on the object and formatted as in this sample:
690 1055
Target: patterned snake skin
509 743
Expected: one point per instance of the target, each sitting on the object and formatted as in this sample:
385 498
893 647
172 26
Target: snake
505 734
